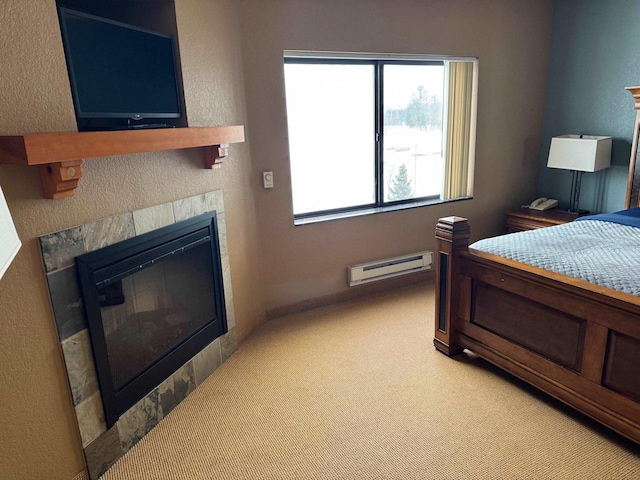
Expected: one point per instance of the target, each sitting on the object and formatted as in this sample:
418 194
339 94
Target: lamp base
576 212
574 200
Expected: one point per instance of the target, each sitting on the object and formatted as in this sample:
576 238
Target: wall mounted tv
118 71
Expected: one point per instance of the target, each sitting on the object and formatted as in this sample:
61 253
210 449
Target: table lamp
579 153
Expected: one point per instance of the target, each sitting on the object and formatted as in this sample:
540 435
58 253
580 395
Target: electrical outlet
267 179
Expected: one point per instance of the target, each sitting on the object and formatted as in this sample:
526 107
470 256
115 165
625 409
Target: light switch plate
267 179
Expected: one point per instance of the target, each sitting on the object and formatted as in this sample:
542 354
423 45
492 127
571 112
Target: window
370 134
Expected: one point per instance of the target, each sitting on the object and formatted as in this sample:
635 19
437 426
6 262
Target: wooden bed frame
576 341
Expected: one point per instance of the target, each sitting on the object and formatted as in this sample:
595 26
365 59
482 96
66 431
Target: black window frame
378 179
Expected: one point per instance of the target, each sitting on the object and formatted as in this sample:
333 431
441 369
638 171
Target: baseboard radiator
389 267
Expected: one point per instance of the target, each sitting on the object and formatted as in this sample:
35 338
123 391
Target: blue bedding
601 252
630 217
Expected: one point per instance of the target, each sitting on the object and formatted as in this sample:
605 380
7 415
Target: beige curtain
459 149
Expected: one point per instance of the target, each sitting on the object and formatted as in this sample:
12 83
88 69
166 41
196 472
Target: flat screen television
118 71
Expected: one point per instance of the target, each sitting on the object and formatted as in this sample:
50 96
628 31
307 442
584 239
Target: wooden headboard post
633 181
452 237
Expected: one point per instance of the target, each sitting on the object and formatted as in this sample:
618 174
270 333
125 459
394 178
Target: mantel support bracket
214 155
60 180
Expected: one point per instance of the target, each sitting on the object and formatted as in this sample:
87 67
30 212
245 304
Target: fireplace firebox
152 303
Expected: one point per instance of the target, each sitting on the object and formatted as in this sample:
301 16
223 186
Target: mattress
596 249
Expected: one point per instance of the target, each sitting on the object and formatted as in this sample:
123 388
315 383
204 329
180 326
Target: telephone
543 203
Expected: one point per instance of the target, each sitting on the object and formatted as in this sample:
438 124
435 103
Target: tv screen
118 70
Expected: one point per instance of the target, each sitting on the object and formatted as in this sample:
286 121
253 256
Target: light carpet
357 391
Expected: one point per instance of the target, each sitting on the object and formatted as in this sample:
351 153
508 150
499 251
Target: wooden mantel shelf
60 155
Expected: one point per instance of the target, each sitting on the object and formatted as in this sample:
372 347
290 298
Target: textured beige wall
39 439
511 38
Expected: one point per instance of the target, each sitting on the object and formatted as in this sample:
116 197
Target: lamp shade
583 153
9 241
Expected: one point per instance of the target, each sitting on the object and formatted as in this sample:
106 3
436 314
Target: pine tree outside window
401 188
369 135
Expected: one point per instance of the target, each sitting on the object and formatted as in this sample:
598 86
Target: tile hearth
102 446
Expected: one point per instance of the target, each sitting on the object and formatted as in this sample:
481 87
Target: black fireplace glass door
147 314
152 303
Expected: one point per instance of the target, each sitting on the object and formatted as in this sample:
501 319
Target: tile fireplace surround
103 447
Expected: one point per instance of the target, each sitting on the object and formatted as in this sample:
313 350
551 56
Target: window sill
371 211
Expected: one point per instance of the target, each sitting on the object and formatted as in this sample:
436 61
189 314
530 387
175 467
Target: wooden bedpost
633 182
452 237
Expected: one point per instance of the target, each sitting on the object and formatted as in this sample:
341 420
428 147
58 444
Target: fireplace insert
152 303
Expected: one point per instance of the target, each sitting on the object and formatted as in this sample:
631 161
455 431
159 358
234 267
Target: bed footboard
577 343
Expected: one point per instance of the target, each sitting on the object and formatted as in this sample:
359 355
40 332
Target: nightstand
522 219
